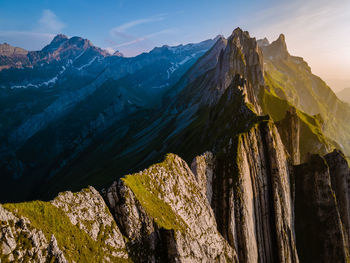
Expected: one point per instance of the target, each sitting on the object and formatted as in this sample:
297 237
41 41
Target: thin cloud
49 22
143 38
119 30
47 26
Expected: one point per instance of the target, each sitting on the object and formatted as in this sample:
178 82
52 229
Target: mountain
72 94
255 175
344 95
291 82
12 57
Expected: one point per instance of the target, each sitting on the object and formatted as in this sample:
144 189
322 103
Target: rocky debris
165 214
54 250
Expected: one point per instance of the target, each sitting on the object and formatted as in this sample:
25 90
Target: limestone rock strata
321 209
252 197
165 214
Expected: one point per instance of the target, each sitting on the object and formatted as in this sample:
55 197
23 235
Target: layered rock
289 129
165 214
252 197
340 180
320 233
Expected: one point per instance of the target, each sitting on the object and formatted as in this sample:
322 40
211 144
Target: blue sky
312 27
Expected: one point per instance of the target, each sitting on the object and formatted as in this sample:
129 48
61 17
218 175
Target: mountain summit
277 49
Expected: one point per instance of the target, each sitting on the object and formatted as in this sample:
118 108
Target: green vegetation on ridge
76 244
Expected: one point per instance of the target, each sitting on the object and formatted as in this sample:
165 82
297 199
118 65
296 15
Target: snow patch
162 86
88 64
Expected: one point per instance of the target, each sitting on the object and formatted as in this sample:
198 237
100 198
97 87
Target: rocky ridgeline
248 205
247 200
74 227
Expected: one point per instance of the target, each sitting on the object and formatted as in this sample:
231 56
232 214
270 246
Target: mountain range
228 150
344 95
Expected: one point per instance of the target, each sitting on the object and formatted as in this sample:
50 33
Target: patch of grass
311 134
76 244
147 192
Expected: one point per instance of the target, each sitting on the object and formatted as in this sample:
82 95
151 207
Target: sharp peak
281 41
59 37
282 37
63 38
239 32
218 37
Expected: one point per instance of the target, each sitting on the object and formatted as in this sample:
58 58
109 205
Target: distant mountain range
344 95
71 92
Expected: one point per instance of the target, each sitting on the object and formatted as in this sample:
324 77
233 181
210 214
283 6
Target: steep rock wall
319 230
252 197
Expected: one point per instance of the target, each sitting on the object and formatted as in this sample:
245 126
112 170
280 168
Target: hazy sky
317 30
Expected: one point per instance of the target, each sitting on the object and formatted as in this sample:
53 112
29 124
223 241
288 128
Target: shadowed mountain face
254 178
78 116
71 93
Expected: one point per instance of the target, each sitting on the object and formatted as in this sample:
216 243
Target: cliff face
321 223
252 197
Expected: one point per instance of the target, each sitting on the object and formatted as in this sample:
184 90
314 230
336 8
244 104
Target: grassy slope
272 104
293 81
147 191
76 244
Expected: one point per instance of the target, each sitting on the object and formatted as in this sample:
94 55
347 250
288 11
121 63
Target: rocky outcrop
239 55
20 242
289 129
12 57
74 227
340 180
165 214
245 204
276 50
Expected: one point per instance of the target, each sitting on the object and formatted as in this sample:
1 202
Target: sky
317 30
